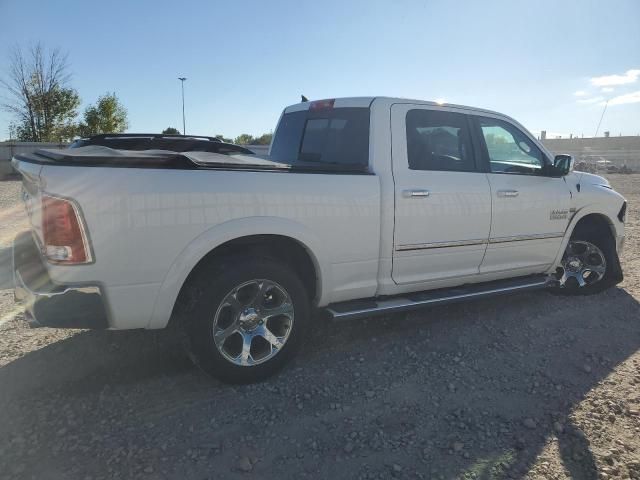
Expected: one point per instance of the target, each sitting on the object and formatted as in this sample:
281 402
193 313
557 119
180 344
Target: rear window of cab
335 136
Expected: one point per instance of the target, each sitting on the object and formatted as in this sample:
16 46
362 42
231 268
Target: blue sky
540 61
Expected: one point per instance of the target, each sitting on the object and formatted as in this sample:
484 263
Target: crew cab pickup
363 206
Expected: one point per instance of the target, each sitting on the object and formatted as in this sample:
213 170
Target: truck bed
151 216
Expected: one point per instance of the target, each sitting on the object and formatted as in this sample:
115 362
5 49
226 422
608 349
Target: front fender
617 227
225 232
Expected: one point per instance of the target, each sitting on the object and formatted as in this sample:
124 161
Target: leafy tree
43 104
106 116
264 139
12 130
171 131
224 139
244 139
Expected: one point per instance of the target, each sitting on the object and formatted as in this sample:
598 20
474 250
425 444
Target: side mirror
564 164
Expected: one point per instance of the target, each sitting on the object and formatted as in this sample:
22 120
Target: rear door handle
415 193
508 193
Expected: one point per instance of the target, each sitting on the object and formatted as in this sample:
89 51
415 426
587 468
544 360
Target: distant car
364 206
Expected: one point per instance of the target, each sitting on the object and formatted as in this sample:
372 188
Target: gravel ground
12 220
526 386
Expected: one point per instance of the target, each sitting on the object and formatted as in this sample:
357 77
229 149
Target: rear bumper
49 304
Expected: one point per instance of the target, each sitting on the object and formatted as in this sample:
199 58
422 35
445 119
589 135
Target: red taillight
322 104
62 232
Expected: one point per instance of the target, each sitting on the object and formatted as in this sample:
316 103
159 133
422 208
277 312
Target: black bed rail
103 136
159 141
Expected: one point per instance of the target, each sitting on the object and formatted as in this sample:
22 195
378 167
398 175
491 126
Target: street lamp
184 130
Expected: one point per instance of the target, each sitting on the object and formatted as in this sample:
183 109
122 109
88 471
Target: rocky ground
528 386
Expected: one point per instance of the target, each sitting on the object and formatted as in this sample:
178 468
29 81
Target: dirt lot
532 385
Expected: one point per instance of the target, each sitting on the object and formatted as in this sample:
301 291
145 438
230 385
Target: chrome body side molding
465 243
424 246
520 238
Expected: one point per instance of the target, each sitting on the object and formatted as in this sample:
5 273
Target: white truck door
530 208
442 199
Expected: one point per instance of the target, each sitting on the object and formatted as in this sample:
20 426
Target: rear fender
225 232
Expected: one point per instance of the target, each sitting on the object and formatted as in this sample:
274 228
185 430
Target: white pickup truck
363 206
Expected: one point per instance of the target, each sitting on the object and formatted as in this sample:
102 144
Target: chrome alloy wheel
253 322
582 263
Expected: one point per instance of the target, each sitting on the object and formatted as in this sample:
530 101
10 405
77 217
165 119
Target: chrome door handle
415 193
508 193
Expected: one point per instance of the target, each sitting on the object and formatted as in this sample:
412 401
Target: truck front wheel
590 263
246 316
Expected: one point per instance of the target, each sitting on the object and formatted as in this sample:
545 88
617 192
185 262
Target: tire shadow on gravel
472 390
89 360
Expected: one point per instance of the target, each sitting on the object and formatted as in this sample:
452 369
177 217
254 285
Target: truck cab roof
355 102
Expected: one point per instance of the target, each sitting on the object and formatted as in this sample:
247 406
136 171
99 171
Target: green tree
171 131
244 139
224 139
264 139
106 116
39 98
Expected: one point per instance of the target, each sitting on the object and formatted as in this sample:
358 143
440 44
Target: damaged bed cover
100 156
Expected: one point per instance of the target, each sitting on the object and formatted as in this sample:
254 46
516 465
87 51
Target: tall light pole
184 129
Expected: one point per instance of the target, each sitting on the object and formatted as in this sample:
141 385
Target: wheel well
595 222
284 249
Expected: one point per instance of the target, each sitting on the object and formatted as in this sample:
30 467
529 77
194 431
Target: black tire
208 289
603 239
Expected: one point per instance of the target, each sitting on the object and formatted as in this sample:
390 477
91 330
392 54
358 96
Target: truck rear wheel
589 264
245 318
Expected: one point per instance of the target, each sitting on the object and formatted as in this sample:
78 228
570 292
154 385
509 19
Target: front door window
510 151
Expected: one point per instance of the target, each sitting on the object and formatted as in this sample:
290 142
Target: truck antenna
601 117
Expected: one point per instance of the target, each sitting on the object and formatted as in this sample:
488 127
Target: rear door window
337 136
438 140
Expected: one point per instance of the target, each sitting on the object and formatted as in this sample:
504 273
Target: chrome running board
412 301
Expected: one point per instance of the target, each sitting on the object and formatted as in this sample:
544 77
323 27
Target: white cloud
591 100
633 97
580 93
607 89
630 76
